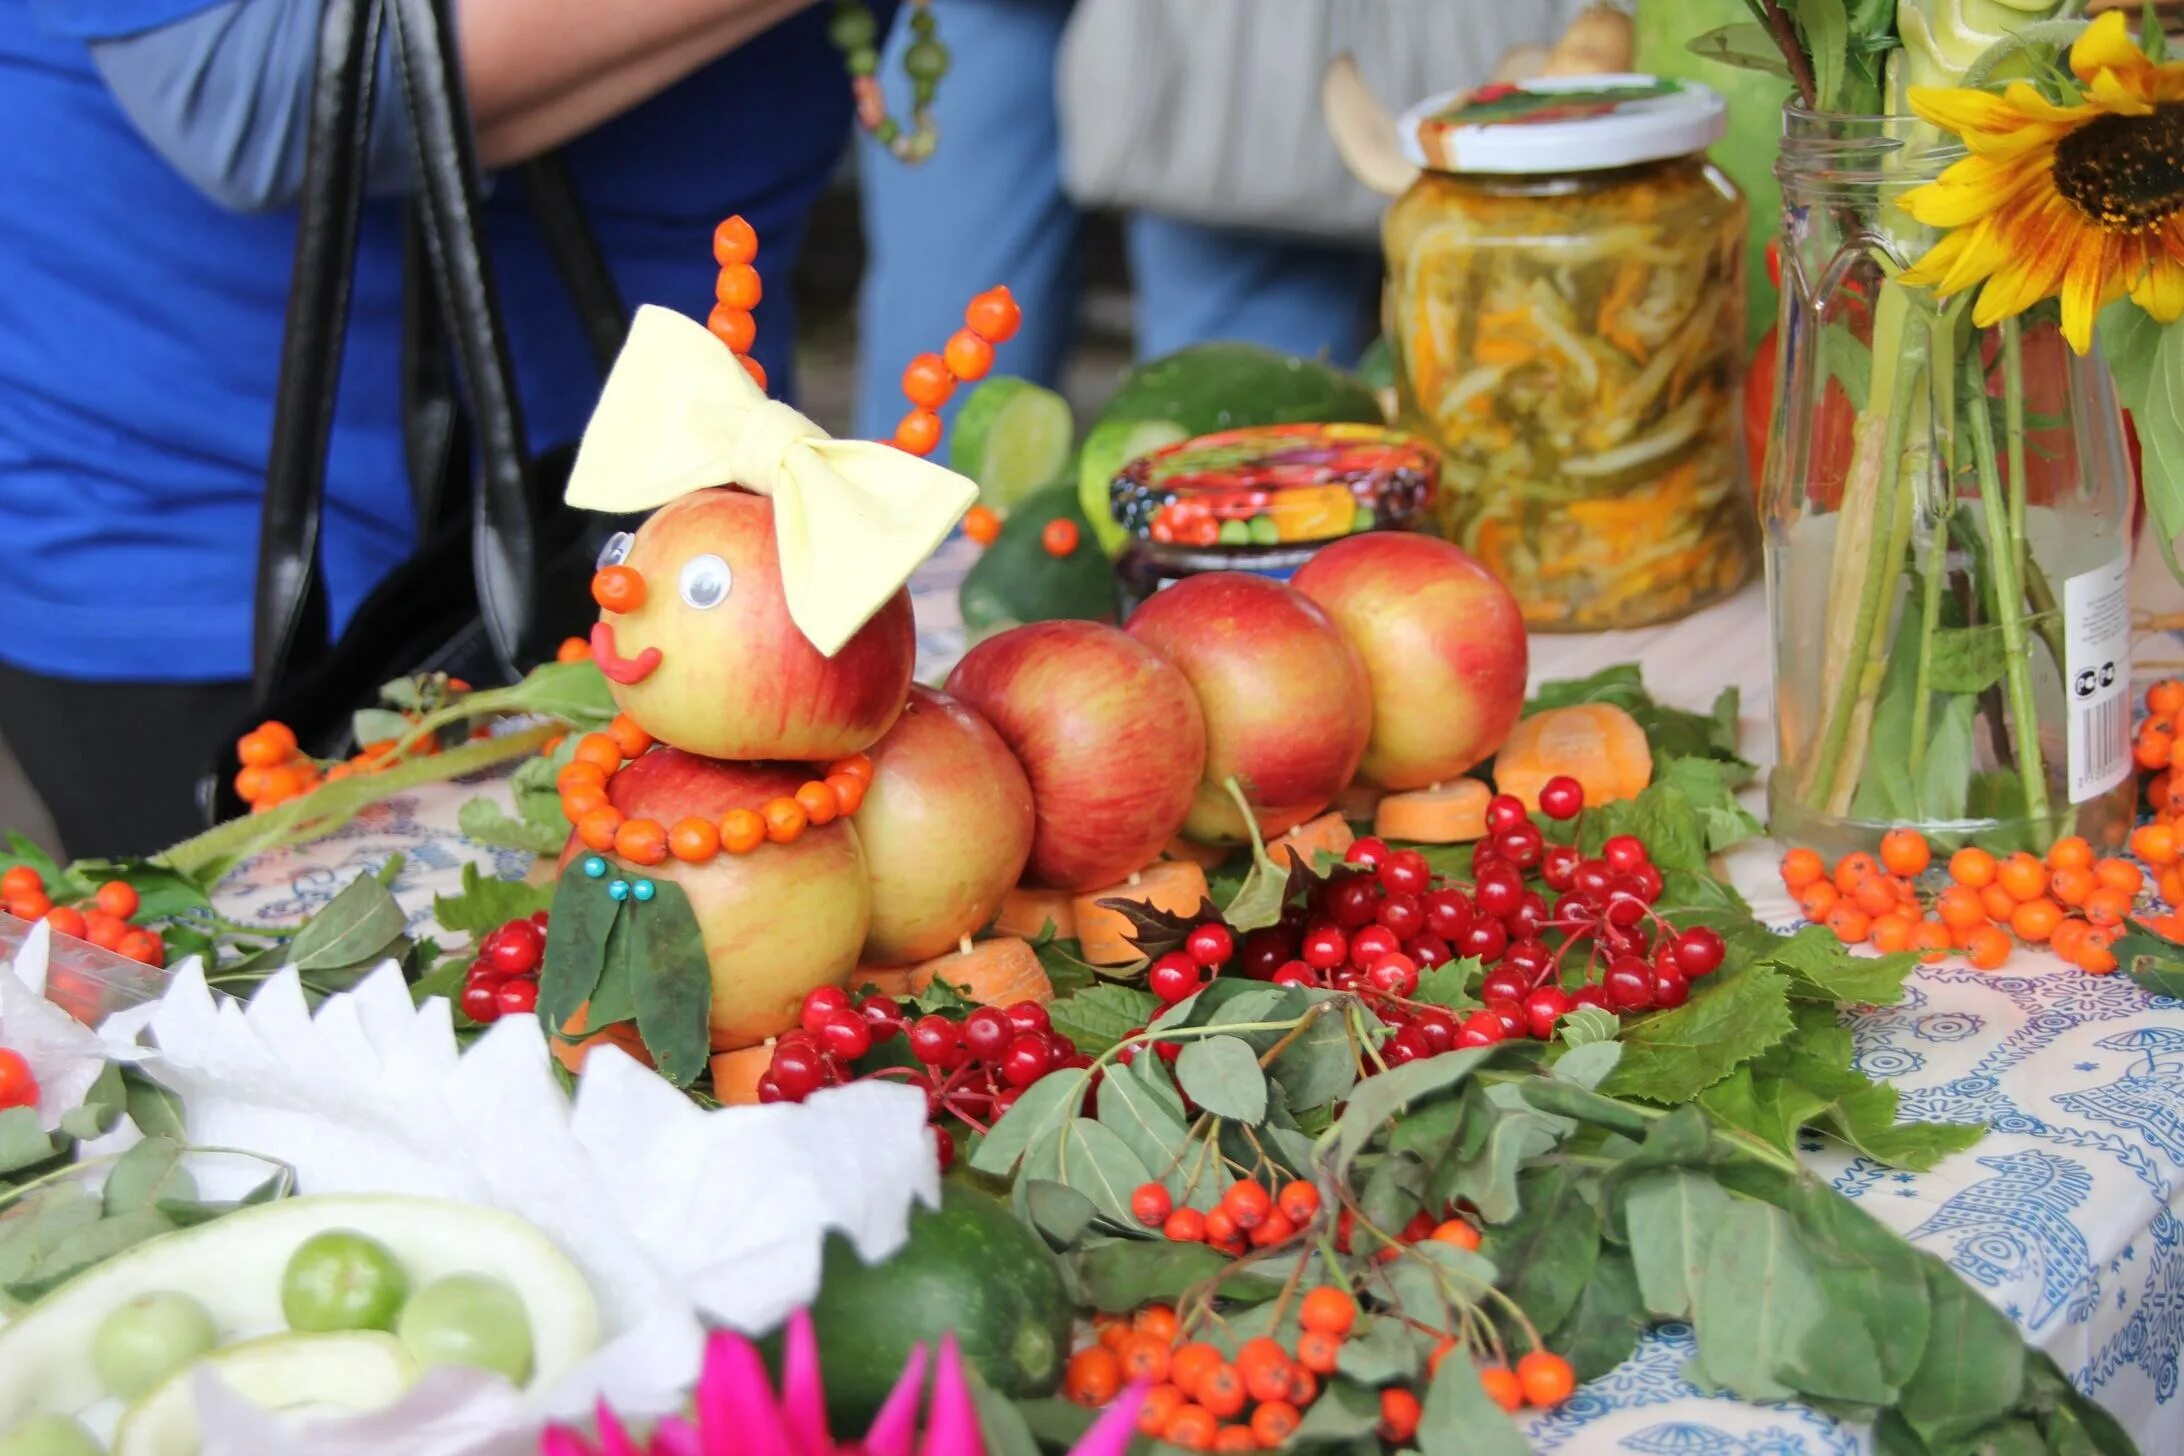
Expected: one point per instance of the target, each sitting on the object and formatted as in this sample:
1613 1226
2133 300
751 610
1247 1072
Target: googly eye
616 551
704 582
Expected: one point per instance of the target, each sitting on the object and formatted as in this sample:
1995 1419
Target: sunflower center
2125 172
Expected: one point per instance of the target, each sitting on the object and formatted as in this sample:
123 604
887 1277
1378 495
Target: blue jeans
989 208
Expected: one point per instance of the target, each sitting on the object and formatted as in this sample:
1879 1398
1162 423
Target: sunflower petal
1971 189
2108 45
1954 264
2039 247
2160 289
2087 285
2120 94
2026 99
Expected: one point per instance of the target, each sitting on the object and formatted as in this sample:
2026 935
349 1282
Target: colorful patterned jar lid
1562 124
1276 485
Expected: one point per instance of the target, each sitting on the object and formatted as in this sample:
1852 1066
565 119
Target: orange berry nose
618 588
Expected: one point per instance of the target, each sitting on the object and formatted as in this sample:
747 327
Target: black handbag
501 567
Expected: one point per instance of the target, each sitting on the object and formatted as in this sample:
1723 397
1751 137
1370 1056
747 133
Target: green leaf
1123 1274
1056 1210
1745 45
1826 29
1588 1026
377 725
1451 984
576 949
1870 1275
1671 1056
161 893
1848 362
143 1175
23 1143
89 1245
156 1111
1549 1248
1973 1366
37 1224
673 984
1588 1064
1764 1103
1006 1431
484 905
1604 1326
358 927
189 1213
1460 1419
1822 968
1344 1412
1757 1302
1259 901
2151 959
1068 972
1380 1352
1045 1106
1489 1179
1138 1106
1967 659
2159 418
1670 1216
1379 1098
1320 1067
483 821
1221 1074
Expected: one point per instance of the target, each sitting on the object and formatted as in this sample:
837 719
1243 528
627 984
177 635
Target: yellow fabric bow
852 518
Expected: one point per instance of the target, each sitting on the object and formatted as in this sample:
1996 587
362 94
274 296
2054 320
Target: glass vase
1945 539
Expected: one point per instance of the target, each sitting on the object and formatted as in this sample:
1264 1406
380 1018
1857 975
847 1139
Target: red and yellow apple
946 828
708 659
1287 707
1443 644
777 921
1107 731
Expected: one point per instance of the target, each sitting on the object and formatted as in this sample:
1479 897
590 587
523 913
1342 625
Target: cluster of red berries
1248 1215
18 1086
503 980
972 1069
103 920
1383 916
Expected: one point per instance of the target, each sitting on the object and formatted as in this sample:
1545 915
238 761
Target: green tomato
50 1436
148 1339
468 1319
342 1280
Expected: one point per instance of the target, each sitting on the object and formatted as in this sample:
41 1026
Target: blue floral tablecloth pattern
2066 1215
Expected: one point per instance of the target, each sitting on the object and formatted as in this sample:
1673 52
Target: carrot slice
1329 832
736 1074
572 1054
1447 813
1028 911
998 972
1174 885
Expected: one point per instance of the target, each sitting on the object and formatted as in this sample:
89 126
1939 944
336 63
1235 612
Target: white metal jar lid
1562 124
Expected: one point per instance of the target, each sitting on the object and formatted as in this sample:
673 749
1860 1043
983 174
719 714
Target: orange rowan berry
2107 906
1875 895
598 828
1221 1390
1317 1351
631 739
256 750
1849 923
1300 1200
1093 1376
1988 947
994 315
1143 1357
33 906
785 819
1192 1427
1817 898
849 792
2154 746
118 897
752 367
735 327
1503 1387
1905 852
581 800
143 946
2166 697
1891 932
1189 1364
739 286
2120 874
1264 1366
1113 1333
1972 867
103 930
918 432
982 524
600 751
280 784
1059 537
573 649
1328 1310
818 802
2070 852
1159 1321
2094 956
1853 870
2156 844
1161 1402
1456 1231
969 356
734 241
2071 884
21 880
2035 920
641 841
1959 907
927 382
1547 1379
1399 1413
694 840
618 589
2023 876
66 920
1930 938
1275 1421
1998 903
1235 1438
1801 867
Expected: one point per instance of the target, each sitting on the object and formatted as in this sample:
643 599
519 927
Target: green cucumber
1016 580
233 1266
971 1268
347 1373
1011 436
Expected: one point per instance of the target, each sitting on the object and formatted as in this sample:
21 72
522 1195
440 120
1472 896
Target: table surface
2065 1215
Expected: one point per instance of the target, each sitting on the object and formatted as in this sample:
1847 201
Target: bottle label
2097 678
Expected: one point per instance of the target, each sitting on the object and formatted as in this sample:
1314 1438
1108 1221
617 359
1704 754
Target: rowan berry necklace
855 32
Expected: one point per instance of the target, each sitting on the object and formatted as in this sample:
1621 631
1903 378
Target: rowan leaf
1222 1075
1671 1056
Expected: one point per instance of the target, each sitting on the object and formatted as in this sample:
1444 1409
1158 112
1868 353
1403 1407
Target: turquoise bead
644 890
594 866
618 890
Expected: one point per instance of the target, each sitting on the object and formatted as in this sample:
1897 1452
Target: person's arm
224 92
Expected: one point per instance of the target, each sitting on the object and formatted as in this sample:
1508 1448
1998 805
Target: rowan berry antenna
930 380
736 292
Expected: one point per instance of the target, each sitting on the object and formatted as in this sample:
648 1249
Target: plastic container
1263 499
1566 307
88 983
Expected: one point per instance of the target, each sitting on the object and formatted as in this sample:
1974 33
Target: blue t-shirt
140 333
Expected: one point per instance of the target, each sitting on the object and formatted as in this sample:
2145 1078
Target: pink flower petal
803 1389
895 1428
1112 1432
951 1426
561 1441
613 1439
737 1414
674 1436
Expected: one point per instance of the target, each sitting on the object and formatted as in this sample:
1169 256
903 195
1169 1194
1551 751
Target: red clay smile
628 671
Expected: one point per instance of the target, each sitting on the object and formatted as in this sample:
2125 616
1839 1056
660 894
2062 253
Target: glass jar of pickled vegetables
1565 303
1263 499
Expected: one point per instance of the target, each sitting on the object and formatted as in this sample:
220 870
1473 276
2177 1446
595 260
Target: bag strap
505 542
289 617
577 256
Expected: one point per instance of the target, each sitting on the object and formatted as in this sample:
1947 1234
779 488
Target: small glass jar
1565 303
1263 499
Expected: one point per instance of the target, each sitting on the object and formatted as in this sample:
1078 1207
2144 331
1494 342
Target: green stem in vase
2013 429
2009 594
1863 570
1930 574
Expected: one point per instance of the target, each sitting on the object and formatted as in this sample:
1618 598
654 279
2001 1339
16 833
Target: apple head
1107 732
946 828
778 921
703 655
1287 707
1444 647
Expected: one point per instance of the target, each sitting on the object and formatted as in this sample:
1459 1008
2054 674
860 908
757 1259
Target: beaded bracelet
856 34
602 827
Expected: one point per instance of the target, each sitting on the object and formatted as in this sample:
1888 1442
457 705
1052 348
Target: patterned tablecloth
2065 1216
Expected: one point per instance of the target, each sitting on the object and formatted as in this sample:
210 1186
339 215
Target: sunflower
2084 200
